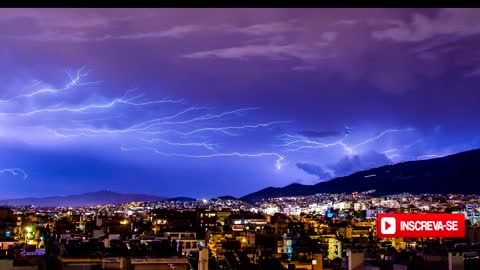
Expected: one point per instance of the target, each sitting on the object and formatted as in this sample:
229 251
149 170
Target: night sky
209 102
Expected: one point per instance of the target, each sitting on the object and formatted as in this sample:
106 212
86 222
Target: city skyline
212 102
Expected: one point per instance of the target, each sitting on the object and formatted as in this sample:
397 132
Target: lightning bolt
208 146
152 122
163 135
156 122
381 135
211 116
15 172
396 151
306 143
430 156
180 129
146 125
35 83
137 127
223 130
392 156
297 142
278 163
97 106
74 81
97 119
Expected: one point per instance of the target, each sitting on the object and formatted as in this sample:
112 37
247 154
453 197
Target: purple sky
209 102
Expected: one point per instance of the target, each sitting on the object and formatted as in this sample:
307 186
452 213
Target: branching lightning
278 163
176 134
166 126
143 126
223 130
294 143
74 81
146 126
395 152
208 146
381 135
129 101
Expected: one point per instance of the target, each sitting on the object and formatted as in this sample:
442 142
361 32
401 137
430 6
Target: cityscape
322 231
239 139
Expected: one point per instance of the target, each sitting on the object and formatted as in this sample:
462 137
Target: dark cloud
346 166
314 170
351 164
305 41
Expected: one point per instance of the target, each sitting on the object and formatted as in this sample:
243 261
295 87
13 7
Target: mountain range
458 173
86 199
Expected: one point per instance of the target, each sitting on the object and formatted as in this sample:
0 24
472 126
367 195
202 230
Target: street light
28 229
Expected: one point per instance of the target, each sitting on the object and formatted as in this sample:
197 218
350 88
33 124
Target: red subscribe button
420 225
